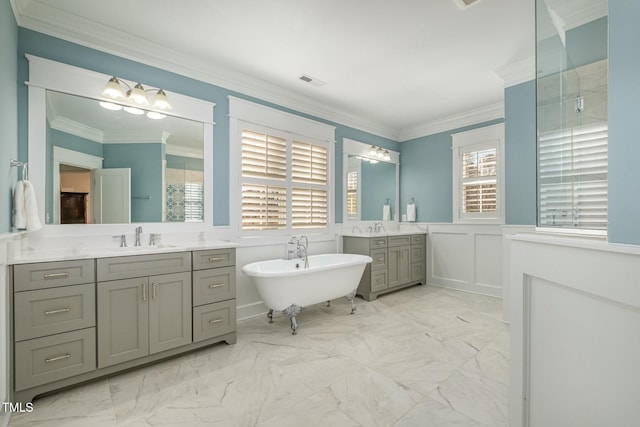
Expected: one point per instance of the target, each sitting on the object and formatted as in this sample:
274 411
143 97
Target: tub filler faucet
302 248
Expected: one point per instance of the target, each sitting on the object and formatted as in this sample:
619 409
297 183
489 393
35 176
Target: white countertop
44 254
368 234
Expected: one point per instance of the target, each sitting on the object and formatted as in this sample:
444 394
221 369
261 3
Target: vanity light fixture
379 153
115 88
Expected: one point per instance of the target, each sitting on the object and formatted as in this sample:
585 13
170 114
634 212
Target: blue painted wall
187 163
520 154
426 174
59 50
378 185
8 111
145 161
624 144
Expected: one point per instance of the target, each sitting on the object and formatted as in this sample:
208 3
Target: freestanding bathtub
288 286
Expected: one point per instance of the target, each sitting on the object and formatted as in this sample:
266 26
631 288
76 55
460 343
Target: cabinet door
169 311
123 320
399 265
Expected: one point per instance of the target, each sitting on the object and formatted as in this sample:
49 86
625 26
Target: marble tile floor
422 356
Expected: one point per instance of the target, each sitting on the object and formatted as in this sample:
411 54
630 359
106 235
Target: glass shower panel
571 118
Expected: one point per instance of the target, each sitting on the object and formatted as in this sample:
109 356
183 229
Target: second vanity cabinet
398 261
144 313
77 320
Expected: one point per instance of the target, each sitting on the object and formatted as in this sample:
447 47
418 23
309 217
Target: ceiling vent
312 80
463 4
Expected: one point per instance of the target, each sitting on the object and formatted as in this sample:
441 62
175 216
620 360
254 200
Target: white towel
19 214
386 213
411 212
25 207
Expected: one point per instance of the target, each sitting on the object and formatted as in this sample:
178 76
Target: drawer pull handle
153 290
218 320
216 285
381 259
56 275
144 292
380 242
54 359
216 258
62 310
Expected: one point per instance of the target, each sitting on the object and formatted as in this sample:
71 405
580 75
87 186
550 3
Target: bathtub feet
291 312
328 303
351 297
270 316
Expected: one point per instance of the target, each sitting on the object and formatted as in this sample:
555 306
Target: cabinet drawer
52 311
379 257
142 265
379 281
418 239
213 285
43 360
40 275
399 241
378 242
417 253
214 258
212 320
417 272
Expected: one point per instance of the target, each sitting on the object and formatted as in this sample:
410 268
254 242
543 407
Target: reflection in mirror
370 184
371 189
112 166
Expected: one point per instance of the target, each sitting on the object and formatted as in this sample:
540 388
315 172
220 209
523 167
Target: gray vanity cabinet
142 315
54 321
398 261
78 320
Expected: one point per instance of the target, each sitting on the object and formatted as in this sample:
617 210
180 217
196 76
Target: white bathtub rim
353 259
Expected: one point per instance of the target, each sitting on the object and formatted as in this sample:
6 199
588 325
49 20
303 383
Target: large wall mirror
94 165
371 183
110 166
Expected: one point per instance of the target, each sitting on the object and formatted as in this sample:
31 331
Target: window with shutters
477 175
572 177
284 181
352 193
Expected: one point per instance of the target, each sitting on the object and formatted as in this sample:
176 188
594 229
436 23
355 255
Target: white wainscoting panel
575 322
465 257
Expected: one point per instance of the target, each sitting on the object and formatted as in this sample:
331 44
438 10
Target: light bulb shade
110 105
134 110
386 156
161 102
155 116
113 88
138 95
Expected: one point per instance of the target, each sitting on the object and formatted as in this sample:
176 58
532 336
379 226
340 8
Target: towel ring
17 163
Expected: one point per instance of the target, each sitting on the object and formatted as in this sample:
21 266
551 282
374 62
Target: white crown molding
518 72
72 127
478 115
584 15
55 23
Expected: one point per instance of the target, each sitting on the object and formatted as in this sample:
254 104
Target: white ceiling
391 67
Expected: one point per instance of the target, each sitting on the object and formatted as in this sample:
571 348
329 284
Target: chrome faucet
138 233
302 248
378 226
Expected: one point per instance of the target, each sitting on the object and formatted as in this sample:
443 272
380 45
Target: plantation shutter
193 202
572 177
309 191
264 206
352 192
479 181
